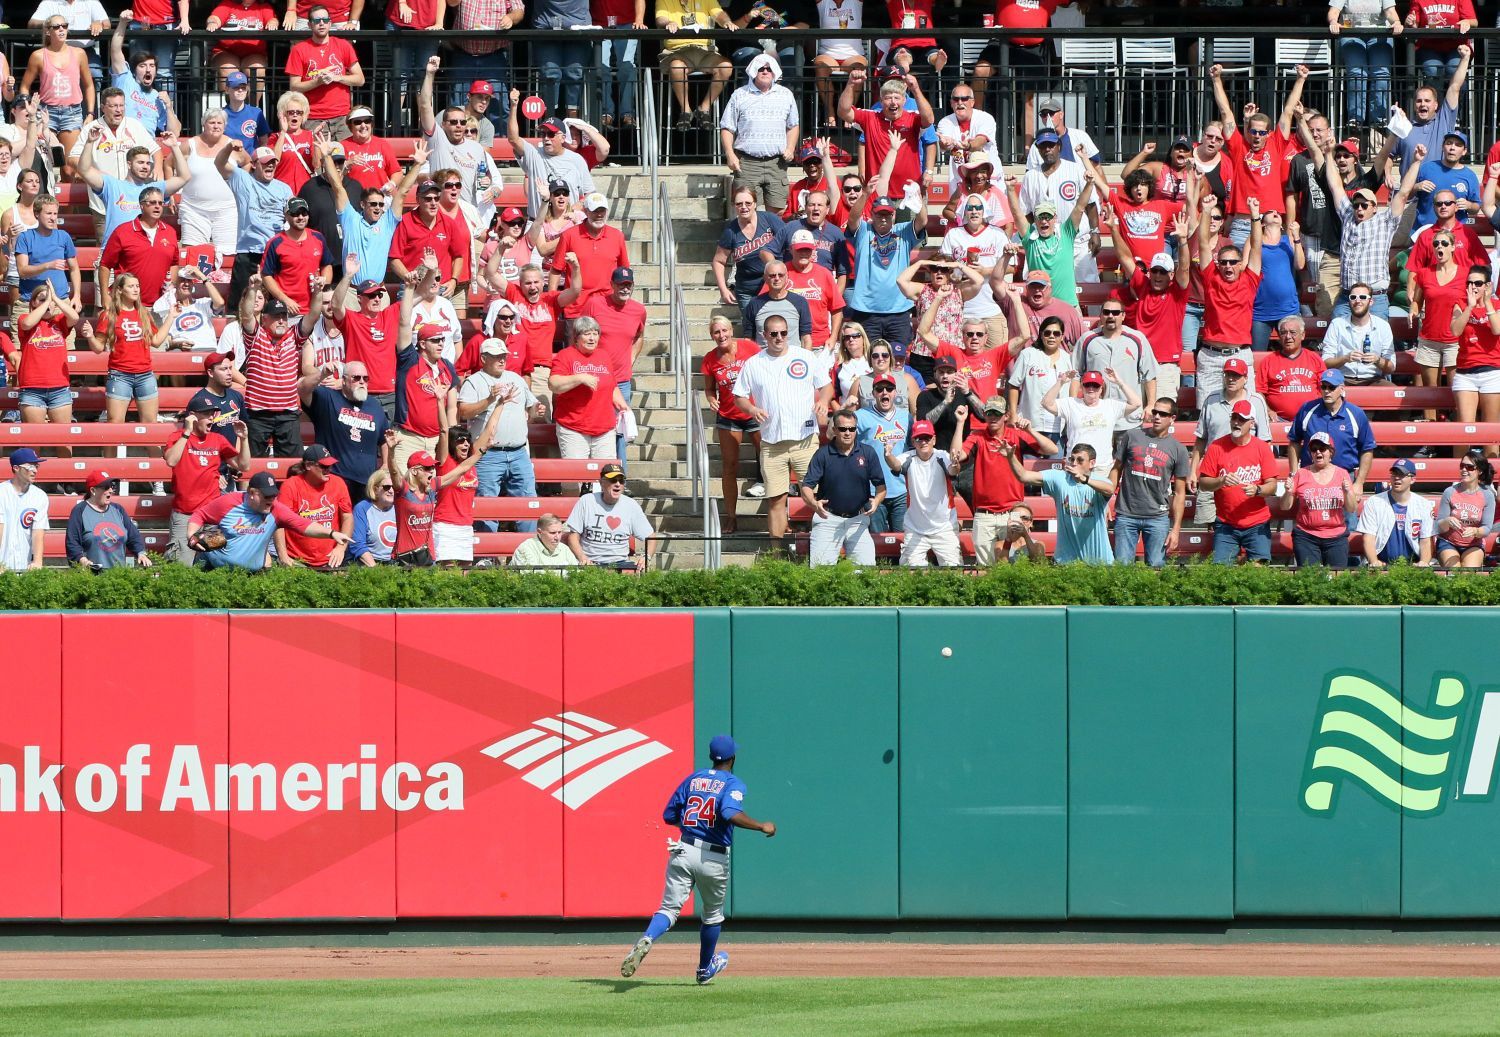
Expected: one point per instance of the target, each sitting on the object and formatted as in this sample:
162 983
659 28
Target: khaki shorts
697 59
1168 383
1435 354
989 526
779 460
408 443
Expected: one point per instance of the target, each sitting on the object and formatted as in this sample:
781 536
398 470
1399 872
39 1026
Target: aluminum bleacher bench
104 434
154 469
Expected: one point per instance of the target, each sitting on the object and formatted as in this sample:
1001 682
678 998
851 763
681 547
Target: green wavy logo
1365 734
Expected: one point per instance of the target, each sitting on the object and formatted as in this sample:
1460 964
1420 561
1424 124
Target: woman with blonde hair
850 362
130 334
721 366
294 143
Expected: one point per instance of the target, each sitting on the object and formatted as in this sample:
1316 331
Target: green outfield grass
416 1008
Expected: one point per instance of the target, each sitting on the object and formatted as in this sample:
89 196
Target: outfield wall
920 763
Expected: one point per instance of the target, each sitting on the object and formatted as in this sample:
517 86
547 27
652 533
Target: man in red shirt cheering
145 246
1241 472
1230 281
1261 163
891 117
599 248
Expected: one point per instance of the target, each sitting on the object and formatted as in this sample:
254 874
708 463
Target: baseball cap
1045 209
943 360
99 479
884 379
595 201
808 151
1320 437
203 403
1163 261
359 112
298 207
890 72
1458 135
804 239
1403 464
368 288
493 347
235 79
1049 104
482 87
614 471
317 453
1234 365
1183 142
1048 137
265 155
427 331
1038 277
923 428
557 184
336 149
24 455
273 308
899 351
1332 376
1242 409
428 186
1365 192
1092 378
623 275
883 203
1349 144
996 405
722 748
264 483
511 213
421 459
550 126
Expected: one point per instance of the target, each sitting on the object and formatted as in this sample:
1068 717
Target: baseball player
707 806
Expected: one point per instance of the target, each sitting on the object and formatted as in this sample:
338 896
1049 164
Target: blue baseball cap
235 79
1458 135
26 455
1332 376
1047 137
722 748
1404 464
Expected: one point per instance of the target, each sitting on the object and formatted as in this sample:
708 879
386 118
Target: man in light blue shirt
370 228
260 200
1082 505
886 428
882 250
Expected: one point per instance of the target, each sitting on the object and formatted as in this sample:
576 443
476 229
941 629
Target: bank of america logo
575 756
1402 756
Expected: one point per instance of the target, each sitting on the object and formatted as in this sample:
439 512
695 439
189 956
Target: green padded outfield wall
1097 763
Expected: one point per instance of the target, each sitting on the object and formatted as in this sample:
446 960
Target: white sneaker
159 488
757 489
635 957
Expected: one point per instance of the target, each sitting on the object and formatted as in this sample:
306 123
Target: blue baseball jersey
703 805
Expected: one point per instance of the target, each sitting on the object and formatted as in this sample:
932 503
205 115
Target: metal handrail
651 159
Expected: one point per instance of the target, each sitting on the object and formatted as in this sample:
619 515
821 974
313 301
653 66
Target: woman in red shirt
721 366
1434 295
417 498
1317 496
43 359
1465 513
586 401
130 333
1476 375
453 518
293 145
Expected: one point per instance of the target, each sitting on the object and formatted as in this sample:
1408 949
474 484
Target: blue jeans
895 328
164 50
1256 540
410 54
617 67
1192 323
561 66
1438 67
1367 64
1380 305
890 517
1239 230
507 473
627 390
1310 550
1130 530
494 67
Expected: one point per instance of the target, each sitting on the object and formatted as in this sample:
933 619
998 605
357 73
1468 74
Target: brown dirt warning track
769 959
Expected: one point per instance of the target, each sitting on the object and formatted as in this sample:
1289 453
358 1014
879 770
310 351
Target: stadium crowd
399 298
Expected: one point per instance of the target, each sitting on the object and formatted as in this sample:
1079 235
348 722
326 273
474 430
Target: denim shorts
122 386
65 117
50 399
736 424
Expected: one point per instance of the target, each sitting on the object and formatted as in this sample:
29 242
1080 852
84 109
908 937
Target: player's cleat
635 957
716 965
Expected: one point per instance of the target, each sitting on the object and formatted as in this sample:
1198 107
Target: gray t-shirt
511 430
540 168
605 532
1148 464
1213 417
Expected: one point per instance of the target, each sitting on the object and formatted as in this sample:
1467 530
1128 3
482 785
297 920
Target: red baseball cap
482 86
421 459
1092 378
923 428
1234 365
884 379
427 331
1242 409
99 479
511 213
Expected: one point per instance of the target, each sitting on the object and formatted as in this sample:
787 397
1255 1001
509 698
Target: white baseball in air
947 652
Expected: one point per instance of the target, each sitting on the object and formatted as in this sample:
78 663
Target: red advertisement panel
478 690
31 703
628 732
312 727
143 732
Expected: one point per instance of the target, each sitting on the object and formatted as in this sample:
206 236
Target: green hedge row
770 583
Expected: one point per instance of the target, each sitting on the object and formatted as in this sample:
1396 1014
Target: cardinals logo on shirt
1258 166
109 534
130 328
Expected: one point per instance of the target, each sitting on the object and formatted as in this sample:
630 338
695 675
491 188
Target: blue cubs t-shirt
878 261
703 805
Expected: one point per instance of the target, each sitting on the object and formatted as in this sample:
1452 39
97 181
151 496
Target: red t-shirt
905 14
130 353
538 327
423 13
195 476
414 518
455 503
996 487
1438 301
818 287
1478 346
720 376
293 263
590 412
985 370
1442 14
1254 464
334 55
1024 14
296 165
1467 508
1228 306
44 356
371 164
1468 249
324 505
131 250
599 256
618 328
371 339
1288 382
1260 174
1157 315
236 19
338 10
425 386
1144 227
155 12
796 200
877 132
1320 509
413 237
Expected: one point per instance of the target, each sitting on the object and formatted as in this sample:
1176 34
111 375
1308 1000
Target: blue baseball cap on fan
26 455
722 748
